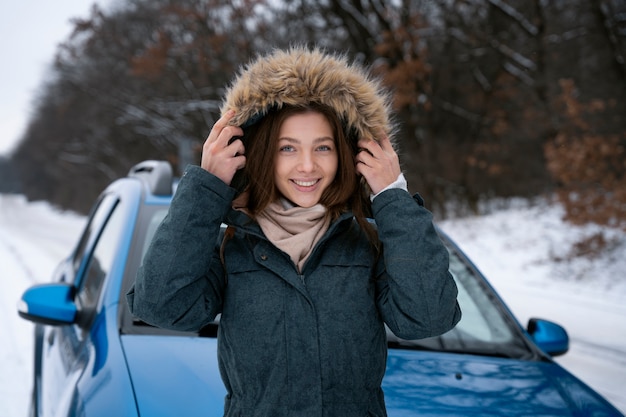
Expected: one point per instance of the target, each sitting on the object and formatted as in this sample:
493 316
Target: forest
494 98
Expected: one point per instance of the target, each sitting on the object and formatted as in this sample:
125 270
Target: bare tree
141 82
477 85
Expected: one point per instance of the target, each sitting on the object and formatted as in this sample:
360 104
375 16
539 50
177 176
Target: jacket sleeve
181 280
417 295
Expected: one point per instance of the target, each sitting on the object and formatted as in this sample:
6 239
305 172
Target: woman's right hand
223 151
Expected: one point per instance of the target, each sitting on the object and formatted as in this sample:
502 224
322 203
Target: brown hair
344 193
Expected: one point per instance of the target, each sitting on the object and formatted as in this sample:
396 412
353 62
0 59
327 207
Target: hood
444 384
175 375
299 76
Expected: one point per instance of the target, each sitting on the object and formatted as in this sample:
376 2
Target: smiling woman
282 168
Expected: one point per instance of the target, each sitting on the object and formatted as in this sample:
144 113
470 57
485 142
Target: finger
385 143
221 143
371 146
241 161
236 148
225 119
362 151
382 151
229 135
219 126
364 170
364 160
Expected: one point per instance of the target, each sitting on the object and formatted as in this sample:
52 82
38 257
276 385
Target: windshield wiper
408 345
439 345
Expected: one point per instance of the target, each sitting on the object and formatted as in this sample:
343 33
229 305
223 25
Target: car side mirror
550 337
51 304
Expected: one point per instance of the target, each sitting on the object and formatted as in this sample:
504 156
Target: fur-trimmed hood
299 76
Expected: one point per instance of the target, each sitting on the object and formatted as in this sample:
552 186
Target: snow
520 248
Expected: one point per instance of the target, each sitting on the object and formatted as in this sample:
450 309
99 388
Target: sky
30 31
515 248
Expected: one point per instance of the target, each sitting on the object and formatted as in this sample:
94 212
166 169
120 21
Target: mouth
305 184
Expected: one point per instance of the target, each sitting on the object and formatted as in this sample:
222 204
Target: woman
303 282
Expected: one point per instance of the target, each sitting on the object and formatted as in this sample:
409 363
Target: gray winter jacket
290 344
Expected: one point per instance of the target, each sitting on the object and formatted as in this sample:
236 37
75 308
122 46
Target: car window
99 215
101 260
482 319
150 217
155 219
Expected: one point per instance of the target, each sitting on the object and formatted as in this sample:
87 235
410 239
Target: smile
305 183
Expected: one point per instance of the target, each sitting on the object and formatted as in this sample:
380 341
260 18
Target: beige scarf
294 230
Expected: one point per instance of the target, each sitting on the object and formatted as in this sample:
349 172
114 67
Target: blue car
93 358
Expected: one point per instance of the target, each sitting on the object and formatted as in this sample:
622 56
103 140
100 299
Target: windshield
485 327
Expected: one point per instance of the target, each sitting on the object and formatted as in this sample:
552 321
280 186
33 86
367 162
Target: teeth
305 183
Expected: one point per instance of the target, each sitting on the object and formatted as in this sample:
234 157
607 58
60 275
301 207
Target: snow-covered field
518 248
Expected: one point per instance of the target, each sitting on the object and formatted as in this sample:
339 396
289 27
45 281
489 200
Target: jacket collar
241 221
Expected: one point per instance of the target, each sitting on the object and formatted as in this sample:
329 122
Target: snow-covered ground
33 239
518 248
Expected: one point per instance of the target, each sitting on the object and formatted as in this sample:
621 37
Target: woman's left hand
378 162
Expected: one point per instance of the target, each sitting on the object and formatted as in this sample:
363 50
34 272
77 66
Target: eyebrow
315 141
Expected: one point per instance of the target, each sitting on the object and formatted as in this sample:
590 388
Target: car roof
158 176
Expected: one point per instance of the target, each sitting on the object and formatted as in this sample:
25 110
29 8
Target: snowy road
510 247
16 334
33 239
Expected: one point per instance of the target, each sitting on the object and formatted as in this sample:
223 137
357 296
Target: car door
67 350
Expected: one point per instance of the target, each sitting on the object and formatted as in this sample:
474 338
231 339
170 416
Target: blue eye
286 148
325 148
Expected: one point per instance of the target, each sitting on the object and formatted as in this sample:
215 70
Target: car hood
442 384
174 375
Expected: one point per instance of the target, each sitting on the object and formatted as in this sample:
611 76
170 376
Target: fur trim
298 76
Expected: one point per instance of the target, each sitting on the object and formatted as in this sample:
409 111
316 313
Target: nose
306 162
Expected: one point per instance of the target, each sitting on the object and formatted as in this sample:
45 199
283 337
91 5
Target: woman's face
307 160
